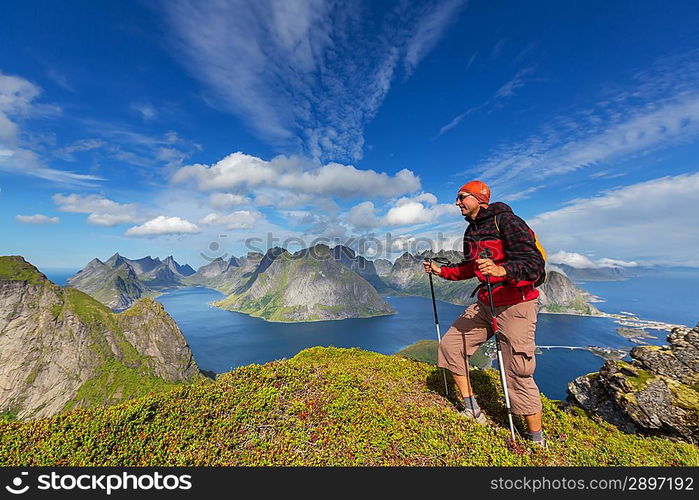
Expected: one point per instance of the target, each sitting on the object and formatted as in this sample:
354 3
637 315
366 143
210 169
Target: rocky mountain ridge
62 349
118 282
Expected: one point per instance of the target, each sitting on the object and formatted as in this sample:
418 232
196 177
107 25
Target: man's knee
522 364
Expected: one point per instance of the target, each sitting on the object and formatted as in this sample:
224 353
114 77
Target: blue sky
187 128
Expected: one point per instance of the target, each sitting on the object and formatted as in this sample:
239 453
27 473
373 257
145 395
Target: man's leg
467 333
518 325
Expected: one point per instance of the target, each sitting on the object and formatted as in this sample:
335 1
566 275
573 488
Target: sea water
222 340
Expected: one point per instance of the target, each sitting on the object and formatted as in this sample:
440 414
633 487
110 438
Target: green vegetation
325 406
14 267
426 351
117 382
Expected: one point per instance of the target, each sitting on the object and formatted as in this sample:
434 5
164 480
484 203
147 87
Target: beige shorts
517 324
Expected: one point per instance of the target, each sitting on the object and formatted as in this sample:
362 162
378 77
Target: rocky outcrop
60 348
309 285
657 393
559 294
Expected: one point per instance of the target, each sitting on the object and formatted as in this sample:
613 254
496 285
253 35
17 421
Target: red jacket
512 246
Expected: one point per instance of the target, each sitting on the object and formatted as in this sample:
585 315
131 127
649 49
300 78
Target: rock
657 391
60 348
559 294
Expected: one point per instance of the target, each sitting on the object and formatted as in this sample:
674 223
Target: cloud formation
658 109
18 102
36 219
405 211
163 225
305 74
579 261
240 219
103 211
241 171
652 221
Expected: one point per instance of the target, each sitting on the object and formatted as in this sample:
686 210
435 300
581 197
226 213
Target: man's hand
431 267
488 268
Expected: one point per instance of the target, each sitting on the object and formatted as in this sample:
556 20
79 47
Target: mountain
383 267
655 394
408 277
324 407
363 267
225 276
309 285
114 283
62 349
559 295
615 273
119 282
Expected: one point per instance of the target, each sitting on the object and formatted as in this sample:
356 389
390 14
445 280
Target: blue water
221 340
671 296
59 276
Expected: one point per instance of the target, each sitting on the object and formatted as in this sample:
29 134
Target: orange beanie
478 189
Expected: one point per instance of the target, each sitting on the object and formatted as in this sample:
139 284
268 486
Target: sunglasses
462 196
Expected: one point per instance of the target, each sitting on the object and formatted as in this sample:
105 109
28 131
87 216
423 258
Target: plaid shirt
523 261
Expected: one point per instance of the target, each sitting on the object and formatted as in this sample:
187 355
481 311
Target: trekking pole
501 363
436 324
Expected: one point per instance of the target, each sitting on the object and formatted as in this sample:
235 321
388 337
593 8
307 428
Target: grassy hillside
426 351
325 406
14 267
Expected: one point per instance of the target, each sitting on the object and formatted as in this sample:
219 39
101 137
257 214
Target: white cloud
226 200
420 209
37 219
162 225
103 212
579 261
240 219
652 221
17 102
307 74
146 111
429 30
239 170
66 153
362 216
658 109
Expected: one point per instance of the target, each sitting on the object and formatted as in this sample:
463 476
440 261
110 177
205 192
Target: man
498 244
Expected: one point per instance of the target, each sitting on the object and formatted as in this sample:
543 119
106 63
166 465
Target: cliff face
307 286
656 393
60 349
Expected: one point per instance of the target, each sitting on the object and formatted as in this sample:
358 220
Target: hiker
514 266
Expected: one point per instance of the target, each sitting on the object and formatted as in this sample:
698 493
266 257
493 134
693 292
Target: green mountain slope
309 285
61 349
325 406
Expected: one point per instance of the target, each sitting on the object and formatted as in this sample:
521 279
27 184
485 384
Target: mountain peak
16 268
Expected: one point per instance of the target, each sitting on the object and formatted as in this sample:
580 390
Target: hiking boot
539 442
478 416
